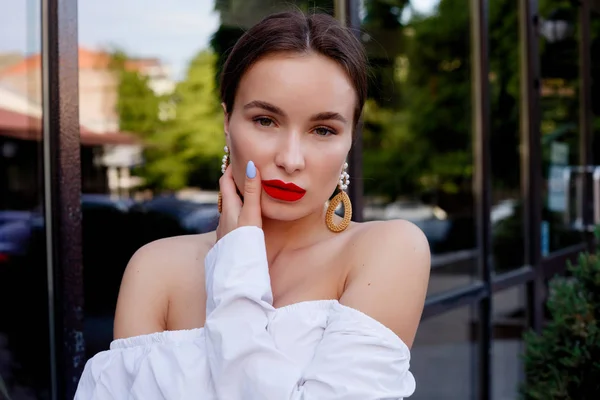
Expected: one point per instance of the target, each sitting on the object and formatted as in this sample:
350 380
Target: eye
323 131
264 121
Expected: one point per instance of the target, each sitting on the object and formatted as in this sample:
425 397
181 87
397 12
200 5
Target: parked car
195 217
7 216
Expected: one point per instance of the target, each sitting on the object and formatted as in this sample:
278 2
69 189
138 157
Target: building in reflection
108 154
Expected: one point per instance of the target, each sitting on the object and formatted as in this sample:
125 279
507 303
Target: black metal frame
585 108
531 159
62 182
63 185
482 187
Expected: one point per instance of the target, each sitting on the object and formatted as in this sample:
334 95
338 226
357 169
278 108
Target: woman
286 300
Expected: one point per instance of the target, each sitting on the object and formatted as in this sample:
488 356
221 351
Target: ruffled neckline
333 305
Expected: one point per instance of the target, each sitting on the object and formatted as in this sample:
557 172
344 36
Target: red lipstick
280 190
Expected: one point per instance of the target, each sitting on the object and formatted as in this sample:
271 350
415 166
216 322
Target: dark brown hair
296 32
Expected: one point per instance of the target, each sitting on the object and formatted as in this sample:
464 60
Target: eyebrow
326 116
265 106
323 116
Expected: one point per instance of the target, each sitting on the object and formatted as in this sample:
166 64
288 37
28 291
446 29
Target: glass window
24 330
443 356
509 321
560 128
504 80
418 155
154 124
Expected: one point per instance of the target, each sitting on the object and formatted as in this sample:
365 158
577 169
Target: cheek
328 166
238 160
236 157
242 137
243 148
332 176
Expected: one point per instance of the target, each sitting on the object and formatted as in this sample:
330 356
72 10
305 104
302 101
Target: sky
173 31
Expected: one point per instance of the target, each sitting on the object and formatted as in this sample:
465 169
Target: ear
225 121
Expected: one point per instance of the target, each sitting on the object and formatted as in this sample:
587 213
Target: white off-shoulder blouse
249 350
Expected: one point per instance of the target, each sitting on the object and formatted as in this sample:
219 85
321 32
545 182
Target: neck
290 235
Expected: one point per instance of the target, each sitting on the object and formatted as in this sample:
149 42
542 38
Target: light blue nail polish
250 170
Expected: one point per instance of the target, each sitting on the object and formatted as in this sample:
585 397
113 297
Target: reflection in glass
443 356
504 79
417 155
508 322
559 91
24 331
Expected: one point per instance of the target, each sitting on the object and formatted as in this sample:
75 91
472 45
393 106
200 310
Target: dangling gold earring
341 197
223 168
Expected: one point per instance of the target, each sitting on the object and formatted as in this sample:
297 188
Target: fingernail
250 170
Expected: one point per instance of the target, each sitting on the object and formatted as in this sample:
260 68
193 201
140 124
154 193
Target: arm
161 277
358 358
143 298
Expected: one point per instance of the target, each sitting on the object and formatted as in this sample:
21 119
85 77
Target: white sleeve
357 359
158 366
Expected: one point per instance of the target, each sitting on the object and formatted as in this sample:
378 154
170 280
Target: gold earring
225 163
341 197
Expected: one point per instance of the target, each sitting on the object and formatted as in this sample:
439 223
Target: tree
184 148
188 148
439 88
385 135
384 43
417 137
429 93
137 105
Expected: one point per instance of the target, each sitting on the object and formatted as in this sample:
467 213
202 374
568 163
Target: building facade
479 127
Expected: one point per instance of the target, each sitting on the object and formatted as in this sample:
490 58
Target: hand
235 213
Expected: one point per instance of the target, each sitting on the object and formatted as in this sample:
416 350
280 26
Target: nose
289 154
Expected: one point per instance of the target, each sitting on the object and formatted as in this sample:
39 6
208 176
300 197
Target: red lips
280 190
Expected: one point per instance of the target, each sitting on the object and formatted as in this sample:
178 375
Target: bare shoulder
389 279
155 273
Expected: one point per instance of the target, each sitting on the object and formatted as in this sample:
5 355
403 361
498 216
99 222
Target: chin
282 211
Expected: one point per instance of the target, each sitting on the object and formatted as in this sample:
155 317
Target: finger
231 201
251 212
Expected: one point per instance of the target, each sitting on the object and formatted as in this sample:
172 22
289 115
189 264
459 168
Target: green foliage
384 171
137 104
563 362
188 138
422 80
193 139
440 92
383 13
417 135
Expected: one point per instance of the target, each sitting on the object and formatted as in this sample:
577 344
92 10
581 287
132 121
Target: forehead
299 81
